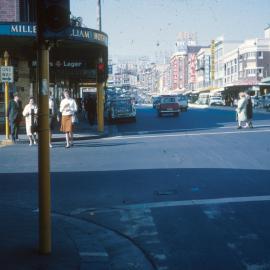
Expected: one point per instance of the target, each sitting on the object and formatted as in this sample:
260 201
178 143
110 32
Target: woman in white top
241 109
68 108
30 113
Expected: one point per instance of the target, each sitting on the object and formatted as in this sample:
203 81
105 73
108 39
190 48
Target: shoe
50 145
35 142
239 127
30 144
67 146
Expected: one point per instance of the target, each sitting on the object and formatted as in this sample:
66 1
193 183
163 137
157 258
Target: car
183 102
122 108
216 100
255 101
155 101
264 101
168 104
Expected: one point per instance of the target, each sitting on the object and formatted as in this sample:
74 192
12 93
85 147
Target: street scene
127 153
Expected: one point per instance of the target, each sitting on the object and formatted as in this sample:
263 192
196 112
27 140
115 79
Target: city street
190 192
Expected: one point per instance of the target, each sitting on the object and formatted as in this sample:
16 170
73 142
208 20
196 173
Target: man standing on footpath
14 116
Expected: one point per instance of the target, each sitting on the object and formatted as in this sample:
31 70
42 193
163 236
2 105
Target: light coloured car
122 108
183 102
216 101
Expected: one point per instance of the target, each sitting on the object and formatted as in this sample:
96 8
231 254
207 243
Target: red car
168 104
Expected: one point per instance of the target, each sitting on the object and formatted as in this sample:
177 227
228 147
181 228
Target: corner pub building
73 57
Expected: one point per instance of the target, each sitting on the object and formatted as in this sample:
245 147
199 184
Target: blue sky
136 27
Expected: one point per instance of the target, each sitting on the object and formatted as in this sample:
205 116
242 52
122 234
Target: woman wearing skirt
68 108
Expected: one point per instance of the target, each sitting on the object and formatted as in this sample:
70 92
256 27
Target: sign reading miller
17 28
75 33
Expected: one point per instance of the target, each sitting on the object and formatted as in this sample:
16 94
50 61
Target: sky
148 27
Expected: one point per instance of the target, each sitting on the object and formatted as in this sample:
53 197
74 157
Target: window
27 10
260 55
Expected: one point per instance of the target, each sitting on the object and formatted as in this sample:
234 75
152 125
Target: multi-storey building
247 65
203 67
219 48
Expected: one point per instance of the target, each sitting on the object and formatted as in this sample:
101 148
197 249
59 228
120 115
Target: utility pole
99 15
100 94
43 136
6 59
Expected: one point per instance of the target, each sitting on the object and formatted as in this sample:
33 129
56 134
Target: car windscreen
168 100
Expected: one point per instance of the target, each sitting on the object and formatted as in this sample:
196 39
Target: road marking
184 134
94 254
144 132
194 202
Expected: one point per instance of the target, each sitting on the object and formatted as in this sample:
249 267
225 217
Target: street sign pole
6 58
100 106
43 137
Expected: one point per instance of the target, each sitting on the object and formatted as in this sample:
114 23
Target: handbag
74 119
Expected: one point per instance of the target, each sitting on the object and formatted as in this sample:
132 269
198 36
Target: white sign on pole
6 74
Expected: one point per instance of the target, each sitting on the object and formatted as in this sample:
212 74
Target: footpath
82 131
76 244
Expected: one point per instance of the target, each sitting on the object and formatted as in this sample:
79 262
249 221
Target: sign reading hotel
73 33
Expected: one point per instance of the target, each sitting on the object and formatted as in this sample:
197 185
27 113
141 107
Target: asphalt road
192 191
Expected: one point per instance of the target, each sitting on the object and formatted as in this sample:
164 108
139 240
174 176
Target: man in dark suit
14 116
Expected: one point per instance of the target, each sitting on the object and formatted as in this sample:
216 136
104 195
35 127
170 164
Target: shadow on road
71 190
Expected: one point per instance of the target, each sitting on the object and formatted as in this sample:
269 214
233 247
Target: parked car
264 101
255 101
203 99
122 108
155 101
267 101
216 100
168 104
183 102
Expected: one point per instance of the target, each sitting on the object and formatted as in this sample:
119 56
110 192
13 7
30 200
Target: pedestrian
91 108
15 116
249 111
53 115
30 113
68 109
241 110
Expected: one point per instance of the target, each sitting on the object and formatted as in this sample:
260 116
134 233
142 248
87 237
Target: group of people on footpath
67 110
244 111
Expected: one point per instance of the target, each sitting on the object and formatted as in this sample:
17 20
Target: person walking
68 108
249 111
14 116
30 113
241 110
53 115
91 108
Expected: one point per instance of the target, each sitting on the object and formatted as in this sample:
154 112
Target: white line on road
195 202
184 134
144 132
94 254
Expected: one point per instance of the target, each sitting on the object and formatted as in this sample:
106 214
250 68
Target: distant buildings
224 66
